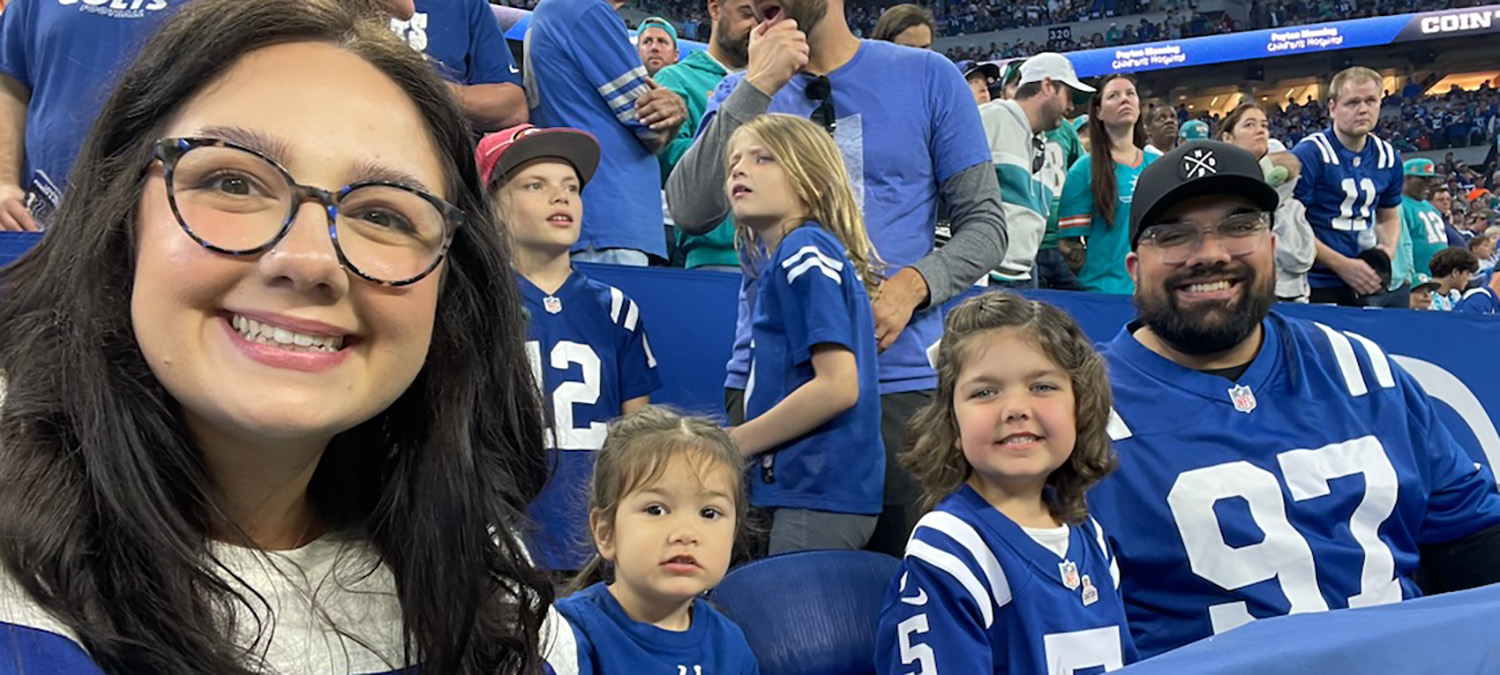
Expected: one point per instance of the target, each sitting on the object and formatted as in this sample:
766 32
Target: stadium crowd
400 429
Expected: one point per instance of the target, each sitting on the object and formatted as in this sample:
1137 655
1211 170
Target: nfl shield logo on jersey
1243 398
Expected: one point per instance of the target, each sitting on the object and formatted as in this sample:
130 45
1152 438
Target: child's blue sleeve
930 623
810 276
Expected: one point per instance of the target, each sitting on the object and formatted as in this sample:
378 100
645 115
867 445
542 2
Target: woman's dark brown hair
1102 165
105 504
899 18
932 451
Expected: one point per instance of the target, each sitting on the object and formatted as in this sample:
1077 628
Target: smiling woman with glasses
268 407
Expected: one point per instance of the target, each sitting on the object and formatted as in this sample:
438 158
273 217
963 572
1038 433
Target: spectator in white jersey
1016 131
1161 128
911 140
656 42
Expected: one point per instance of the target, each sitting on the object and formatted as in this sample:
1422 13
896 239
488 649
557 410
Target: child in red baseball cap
586 339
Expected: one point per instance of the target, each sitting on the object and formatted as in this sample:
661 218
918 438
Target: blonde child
813 405
665 502
1006 573
585 339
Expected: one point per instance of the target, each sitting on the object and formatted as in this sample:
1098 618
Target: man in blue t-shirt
463 41
58 62
582 72
909 131
1351 186
1268 465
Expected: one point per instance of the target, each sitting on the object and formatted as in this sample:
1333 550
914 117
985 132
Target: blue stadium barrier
690 319
1451 633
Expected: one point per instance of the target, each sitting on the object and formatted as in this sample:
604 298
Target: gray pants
804 529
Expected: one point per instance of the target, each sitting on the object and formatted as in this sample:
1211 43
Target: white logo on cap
1199 163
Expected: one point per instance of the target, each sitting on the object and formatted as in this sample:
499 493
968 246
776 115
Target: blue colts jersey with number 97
1306 485
589 351
1343 190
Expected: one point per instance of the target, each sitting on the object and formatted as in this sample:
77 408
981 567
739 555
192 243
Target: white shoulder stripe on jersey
814 264
955 568
807 251
1343 351
1378 361
1324 148
559 644
632 314
1114 566
1116 427
966 536
616 301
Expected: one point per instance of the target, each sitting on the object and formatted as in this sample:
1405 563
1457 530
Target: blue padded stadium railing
809 612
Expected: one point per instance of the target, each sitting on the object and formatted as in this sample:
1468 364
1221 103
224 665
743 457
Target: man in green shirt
1420 220
694 79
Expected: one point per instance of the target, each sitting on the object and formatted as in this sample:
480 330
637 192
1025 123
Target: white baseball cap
1053 66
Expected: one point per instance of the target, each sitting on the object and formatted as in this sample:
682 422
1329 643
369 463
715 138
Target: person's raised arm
695 189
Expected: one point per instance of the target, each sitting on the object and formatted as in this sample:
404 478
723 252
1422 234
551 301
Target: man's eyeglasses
1238 235
236 201
820 90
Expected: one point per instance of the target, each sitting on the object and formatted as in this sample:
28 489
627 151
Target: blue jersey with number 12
1342 190
976 594
589 351
1308 484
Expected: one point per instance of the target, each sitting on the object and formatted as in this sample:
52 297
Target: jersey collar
1211 387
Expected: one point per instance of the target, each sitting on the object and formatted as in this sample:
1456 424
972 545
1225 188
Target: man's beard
1207 327
736 51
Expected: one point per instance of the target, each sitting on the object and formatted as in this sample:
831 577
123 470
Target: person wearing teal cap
1420 220
1193 130
656 42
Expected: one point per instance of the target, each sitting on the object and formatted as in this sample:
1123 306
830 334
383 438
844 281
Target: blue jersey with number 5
1306 485
589 352
976 594
1343 190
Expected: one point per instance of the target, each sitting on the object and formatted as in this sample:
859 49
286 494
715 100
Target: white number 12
1284 554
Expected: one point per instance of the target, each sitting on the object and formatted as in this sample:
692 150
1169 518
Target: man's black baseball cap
1192 170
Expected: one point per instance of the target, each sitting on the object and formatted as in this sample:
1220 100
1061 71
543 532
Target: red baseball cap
505 150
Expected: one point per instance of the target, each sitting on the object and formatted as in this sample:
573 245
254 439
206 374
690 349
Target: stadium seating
809 612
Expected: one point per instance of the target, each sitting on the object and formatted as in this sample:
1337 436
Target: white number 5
1283 554
919 654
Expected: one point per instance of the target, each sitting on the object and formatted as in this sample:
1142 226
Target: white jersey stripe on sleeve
608 89
817 264
1343 351
966 536
616 301
813 251
650 358
1324 148
632 314
1116 427
1378 360
1114 566
955 568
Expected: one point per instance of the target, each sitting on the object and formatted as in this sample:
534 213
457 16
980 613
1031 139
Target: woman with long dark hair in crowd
1247 127
1094 216
268 407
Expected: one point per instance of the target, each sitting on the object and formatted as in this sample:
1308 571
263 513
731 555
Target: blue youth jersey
1307 484
589 351
809 294
1343 190
1481 300
888 91
68 54
976 594
462 39
606 641
582 72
